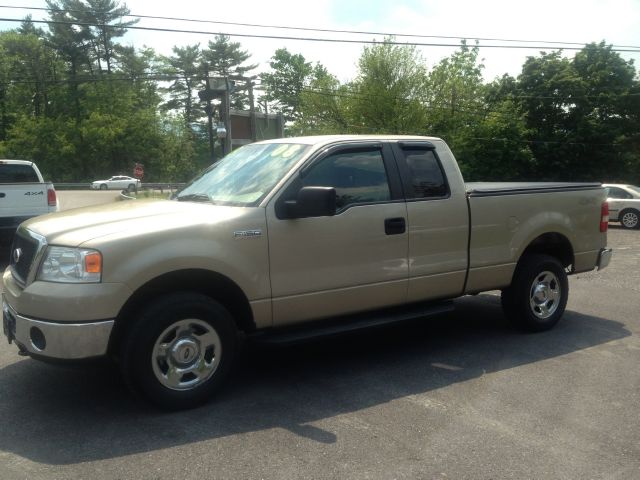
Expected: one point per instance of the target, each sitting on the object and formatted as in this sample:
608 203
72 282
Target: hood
74 227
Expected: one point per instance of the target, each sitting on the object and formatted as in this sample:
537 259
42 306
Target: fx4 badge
247 233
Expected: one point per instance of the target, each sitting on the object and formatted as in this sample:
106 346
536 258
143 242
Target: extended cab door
352 261
438 219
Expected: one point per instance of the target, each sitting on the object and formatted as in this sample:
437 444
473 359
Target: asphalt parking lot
454 397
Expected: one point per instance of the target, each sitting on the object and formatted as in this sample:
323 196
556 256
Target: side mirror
312 202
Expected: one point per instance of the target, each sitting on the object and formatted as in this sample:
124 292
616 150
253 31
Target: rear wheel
538 294
630 219
179 350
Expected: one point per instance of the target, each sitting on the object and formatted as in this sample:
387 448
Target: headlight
71 265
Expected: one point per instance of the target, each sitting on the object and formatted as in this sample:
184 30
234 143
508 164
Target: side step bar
347 324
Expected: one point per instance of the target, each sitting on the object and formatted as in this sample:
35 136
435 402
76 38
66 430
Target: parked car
119 182
288 239
624 204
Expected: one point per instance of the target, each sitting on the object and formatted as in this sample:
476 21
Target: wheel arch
553 244
213 284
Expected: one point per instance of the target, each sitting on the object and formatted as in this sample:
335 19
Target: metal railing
144 186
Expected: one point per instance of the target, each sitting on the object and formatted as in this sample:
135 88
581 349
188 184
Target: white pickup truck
23 194
286 239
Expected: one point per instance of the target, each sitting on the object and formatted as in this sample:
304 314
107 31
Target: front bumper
64 341
604 257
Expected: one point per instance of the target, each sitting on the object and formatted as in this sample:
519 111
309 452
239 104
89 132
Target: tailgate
23 199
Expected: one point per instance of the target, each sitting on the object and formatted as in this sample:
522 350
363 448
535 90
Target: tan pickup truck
286 239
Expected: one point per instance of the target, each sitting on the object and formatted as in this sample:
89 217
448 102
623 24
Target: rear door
438 221
353 261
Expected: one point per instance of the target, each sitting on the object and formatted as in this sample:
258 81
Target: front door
353 261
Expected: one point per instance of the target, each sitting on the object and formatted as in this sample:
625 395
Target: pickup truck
288 239
23 194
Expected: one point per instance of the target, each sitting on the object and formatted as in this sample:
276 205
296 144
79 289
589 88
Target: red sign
138 171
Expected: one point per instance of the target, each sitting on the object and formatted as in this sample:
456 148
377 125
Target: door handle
395 226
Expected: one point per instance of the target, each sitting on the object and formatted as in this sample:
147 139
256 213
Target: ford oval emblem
17 254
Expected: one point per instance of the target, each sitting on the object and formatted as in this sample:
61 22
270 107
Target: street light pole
209 110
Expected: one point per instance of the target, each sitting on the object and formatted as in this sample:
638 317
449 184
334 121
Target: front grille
28 246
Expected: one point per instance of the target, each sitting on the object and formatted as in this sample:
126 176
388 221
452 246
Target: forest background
82 105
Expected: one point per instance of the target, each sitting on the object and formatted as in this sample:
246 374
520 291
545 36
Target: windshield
634 189
245 176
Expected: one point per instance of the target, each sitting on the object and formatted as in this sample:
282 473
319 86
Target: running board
341 325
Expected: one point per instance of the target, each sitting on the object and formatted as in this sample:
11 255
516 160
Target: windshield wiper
194 197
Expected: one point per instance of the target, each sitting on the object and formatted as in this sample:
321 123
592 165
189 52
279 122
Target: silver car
119 182
624 204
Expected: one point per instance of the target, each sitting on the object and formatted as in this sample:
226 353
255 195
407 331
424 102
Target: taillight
604 217
51 197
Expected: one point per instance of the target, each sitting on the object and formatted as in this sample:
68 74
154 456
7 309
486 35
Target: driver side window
359 176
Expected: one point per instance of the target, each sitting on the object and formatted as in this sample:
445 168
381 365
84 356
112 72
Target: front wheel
103 187
177 353
537 296
630 219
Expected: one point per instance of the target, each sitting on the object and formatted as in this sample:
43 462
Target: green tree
108 17
225 58
389 90
455 93
32 66
324 105
284 84
184 65
578 112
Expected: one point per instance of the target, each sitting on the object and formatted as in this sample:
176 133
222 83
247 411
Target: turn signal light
93 263
604 217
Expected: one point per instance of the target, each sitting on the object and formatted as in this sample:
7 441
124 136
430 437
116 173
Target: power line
324 30
305 39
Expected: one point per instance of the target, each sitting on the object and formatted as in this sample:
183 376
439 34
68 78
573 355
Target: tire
538 294
103 187
178 351
630 219
131 187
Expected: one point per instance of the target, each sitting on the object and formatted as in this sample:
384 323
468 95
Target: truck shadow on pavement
56 415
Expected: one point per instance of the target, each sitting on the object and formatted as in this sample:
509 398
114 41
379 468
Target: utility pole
209 110
226 107
252 112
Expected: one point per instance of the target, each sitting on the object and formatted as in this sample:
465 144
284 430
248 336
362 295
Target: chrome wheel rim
630 220
544 296
186 354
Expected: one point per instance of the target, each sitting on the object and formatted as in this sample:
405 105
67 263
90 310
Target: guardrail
145 186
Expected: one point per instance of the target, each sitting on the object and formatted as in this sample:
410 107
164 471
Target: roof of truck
15 162
324 139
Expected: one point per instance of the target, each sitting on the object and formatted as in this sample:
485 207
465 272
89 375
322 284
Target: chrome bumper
68 341
604 257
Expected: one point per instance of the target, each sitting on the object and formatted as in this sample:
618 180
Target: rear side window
425 174
615 192
358 177
17 174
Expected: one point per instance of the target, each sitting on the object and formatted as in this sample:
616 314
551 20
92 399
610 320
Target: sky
616 22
